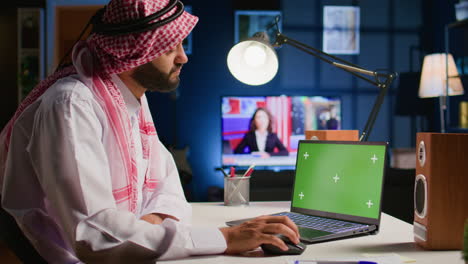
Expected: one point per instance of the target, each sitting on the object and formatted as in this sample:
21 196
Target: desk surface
395 236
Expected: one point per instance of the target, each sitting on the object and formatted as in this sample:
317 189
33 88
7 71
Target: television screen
265 130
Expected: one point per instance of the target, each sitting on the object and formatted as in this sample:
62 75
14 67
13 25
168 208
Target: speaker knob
420 196
422 154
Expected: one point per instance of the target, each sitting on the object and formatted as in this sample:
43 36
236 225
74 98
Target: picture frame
248 22
341 30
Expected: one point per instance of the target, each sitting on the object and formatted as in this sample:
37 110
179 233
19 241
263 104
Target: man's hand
261 230
156 218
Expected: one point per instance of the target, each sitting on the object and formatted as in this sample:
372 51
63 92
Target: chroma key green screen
339 178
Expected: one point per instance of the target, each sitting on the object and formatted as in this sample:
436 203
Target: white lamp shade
253 62
433 77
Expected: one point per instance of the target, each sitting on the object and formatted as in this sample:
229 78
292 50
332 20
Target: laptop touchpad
308 233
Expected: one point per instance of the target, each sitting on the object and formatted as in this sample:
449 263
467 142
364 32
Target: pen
249 171
222 170
233 171
332 262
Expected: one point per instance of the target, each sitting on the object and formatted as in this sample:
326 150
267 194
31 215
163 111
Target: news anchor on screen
260 140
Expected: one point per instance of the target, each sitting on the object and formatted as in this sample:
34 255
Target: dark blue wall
388 29
205 78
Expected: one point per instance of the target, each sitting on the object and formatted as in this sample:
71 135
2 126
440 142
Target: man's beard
151 78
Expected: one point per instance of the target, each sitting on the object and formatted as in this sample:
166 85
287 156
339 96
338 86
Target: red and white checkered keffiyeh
94 60
121 53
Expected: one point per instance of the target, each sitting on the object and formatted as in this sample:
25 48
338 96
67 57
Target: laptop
337 190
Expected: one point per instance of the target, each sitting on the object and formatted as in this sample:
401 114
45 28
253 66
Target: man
82 170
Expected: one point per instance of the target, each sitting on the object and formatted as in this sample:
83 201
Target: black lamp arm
376 108
351 68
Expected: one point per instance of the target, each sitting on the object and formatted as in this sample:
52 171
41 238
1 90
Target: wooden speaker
441 190
337 135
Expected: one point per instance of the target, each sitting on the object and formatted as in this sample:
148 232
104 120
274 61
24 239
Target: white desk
395 236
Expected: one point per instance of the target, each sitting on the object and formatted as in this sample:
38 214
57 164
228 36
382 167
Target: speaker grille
420 196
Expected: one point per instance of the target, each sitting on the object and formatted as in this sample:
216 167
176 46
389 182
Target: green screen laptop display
339 178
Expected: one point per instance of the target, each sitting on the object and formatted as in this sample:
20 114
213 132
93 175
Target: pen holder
236 190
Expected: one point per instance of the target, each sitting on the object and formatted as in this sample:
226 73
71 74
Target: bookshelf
456 41
30 49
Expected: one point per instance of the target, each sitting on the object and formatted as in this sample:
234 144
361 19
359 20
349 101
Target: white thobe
57 185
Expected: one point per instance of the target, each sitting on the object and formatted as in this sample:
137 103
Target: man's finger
279 228
273 240
282 219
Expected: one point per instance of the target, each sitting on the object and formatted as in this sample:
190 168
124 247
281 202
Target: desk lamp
434 81
255 62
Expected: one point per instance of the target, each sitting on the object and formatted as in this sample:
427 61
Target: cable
71 48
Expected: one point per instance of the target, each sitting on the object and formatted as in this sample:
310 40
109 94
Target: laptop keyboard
321 223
